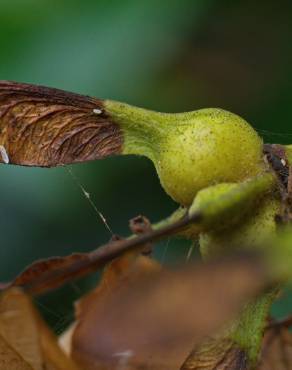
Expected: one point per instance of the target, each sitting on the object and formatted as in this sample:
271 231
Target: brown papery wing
46 127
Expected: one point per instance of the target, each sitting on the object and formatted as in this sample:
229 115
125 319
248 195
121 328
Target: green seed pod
47 127
191 151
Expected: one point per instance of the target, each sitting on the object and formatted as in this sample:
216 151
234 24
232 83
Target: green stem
142 128
248 330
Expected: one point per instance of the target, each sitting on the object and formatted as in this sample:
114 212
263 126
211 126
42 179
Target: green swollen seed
191 151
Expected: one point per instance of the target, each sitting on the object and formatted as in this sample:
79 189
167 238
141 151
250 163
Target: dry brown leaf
276 350
27 336
41 126
19 327
10 359
50 273
122 271
53 356
216 354
33 277
153 320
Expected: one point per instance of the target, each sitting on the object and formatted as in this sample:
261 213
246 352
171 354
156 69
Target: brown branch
78 265
50 274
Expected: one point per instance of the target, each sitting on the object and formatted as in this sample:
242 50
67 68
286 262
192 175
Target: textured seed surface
215 146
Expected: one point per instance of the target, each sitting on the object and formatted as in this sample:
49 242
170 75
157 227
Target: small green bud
256 228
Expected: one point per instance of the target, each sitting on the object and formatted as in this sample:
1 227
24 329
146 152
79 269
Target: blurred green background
173 55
